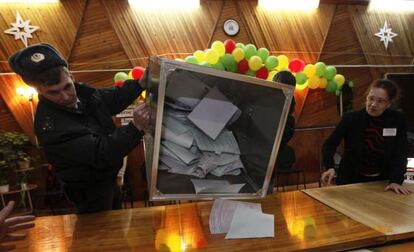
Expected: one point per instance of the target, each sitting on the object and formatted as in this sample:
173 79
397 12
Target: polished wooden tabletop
301 223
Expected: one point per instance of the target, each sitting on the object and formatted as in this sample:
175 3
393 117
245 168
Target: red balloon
137 72
243 66
229 44
296 65
119 83
262 73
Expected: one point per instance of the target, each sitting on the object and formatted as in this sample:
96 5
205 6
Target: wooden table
301 223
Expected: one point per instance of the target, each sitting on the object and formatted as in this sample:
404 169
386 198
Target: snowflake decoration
21 29
386 34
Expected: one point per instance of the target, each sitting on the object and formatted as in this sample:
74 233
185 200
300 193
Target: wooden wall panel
97 47
7 121
366 24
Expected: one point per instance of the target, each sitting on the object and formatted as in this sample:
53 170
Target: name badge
389 132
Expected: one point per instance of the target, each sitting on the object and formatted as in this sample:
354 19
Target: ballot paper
215 186
184 140
222 213
174 124
225 142
182 153
213 113
248 223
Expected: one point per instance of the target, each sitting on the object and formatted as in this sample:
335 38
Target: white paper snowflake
21 29
386 34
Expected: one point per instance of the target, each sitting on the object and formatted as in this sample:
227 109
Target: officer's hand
328 176
142 115
398 189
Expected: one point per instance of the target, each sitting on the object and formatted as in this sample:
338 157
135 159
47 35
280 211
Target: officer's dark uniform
82 144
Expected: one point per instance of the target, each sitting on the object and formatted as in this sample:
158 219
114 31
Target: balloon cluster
247 59
136 73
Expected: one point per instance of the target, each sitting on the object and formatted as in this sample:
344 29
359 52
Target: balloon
301 78
330 72
243 66
144 94
130 75
230 45
323 83
296 65
331 87
338 92
309 70
227 60
271 62
249 51
219 66
120 76
262 73
271 75
137 72
119 83
263 53
240 45
283 62
340 80
313 82
301 86
320 68
191 59
212 56
351 84
218 46
232 67
238 54
204 63
250 72
199 55
178 59
255 63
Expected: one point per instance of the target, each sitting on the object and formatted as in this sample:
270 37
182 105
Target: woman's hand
327 176
398 189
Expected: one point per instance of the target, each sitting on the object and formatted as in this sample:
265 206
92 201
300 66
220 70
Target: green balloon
232 67
338 92
120 76
205 63
251 73
219 66
301 78
191 59
330 72
351 84
271 62
227 60
240 45
249 51
331 87
320 69
263 53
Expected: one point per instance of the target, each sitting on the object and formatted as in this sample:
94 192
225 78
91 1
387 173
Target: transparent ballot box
215 133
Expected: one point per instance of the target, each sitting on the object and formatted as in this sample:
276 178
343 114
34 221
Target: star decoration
386 34
21 29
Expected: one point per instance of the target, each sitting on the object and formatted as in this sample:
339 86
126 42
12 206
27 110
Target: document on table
222 213
213 113
215 186
248 223
410 163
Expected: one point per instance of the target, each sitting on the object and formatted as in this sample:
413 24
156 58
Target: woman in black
375 142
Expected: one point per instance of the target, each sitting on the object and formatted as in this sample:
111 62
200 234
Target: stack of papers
215 186
240 220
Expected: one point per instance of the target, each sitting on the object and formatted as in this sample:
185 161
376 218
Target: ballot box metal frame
156 83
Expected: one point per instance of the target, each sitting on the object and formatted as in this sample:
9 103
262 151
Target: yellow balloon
144 94
313 82
283 62
303 86
255 63
238 54
340 80
323 83
180 60
271 75
200 56
219 47
130 75
212 56
309 70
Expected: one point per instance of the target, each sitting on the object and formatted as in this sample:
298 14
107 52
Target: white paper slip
215 186
410 162
222 213
213 113
174 124
248 223
225 142
182 153
185 140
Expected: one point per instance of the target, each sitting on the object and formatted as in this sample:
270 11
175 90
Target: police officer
74 125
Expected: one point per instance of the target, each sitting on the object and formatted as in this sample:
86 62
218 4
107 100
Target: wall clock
231 27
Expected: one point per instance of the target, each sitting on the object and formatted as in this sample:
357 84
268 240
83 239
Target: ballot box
214 133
